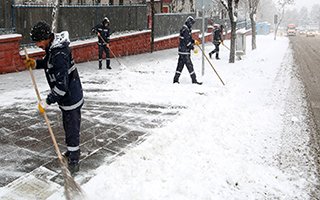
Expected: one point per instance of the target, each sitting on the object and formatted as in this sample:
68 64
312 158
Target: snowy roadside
227 144
230 142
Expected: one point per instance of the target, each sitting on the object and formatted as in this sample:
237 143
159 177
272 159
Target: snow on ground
230 142
225 145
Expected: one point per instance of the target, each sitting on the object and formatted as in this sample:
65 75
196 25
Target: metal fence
171 23
5 14
79 20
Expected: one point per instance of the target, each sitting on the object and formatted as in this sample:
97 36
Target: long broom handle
110 50
211 65
44 113
225 46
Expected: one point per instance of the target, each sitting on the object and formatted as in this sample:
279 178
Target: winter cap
190 20
216 25
106 20
40 31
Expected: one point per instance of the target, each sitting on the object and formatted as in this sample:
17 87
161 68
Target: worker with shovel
186 44
217 40
64 82
103 32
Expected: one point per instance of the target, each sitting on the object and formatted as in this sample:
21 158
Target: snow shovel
211 65
113 53
71 189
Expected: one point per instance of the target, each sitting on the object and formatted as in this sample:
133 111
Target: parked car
311 33
302 32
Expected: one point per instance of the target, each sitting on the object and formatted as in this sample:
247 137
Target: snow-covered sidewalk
244 140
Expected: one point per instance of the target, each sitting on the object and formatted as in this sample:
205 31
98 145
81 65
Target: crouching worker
64 82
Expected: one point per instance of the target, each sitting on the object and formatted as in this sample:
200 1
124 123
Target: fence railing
79 20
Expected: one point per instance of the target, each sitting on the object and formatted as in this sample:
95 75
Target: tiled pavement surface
107 129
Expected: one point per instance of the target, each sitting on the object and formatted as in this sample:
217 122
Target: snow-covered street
249 139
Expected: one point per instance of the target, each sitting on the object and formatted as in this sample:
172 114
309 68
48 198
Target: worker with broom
64 82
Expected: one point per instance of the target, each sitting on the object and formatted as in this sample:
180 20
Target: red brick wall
124 45
9 53
121 46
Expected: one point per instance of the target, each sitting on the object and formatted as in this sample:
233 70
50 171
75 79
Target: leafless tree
218 9
281 7
315 15
232 8
266 11
182 5
253 6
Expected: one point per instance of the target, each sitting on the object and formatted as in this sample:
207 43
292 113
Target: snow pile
244 140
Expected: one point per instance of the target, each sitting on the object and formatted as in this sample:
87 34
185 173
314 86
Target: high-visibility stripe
74 106
71 69
178 72
58 91
189 44
192 73
184 53
73 148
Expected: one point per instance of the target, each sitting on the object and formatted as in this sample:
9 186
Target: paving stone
108 129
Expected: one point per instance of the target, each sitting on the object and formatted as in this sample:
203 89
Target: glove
42 106
195 51
196 42
30 63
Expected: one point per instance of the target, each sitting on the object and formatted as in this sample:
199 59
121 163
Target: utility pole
203 40
152 25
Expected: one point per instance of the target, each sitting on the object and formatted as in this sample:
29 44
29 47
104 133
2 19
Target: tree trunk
152 25
253 28
233 42
233 33
278 24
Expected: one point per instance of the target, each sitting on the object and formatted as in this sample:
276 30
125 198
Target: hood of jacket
60 40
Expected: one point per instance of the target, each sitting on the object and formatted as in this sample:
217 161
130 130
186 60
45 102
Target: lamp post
203 40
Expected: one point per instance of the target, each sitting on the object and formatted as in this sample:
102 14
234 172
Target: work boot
73 167
210 54
66 154
73 161
196 82
217 56
100 65
176 78
108 64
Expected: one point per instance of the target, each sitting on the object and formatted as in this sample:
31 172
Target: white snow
9 36
231 142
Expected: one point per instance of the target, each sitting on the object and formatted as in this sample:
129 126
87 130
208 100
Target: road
306 53
307 56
